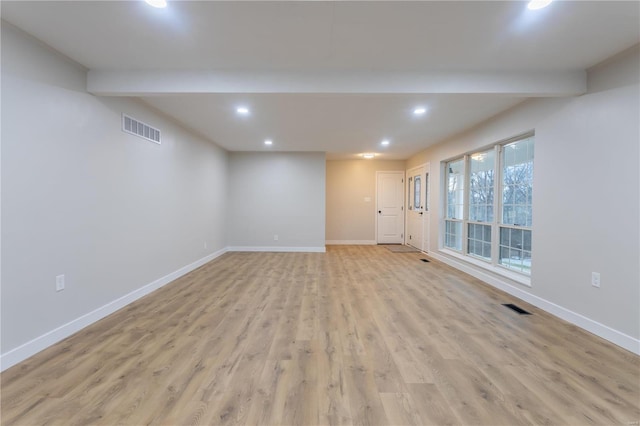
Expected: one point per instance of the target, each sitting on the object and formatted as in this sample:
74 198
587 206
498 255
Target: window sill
503 272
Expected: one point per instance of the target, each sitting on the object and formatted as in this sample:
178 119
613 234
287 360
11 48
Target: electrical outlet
205 245
595 279
59 282
275 237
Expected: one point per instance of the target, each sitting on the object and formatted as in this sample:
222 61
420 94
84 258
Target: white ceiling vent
138 128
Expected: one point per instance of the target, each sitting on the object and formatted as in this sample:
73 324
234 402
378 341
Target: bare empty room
315 213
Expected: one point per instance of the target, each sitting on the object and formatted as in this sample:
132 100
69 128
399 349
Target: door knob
379 211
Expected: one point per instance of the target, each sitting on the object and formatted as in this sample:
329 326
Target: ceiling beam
523 84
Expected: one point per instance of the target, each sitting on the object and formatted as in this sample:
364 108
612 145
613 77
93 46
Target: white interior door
390 211
415 207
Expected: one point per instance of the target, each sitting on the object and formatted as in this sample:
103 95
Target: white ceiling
341 125
332 76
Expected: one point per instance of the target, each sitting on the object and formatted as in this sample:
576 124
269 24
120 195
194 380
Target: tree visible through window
478 223
517 188
481 188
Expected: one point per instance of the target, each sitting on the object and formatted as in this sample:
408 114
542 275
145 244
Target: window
516 222
481 186
479 224
455 203
416 192
426 191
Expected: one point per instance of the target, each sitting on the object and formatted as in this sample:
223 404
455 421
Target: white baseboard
40 343
351 242
614 336
279 249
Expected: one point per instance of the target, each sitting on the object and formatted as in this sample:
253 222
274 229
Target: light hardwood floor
358 335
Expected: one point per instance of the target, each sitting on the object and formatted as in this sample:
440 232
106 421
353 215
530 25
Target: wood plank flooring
356 336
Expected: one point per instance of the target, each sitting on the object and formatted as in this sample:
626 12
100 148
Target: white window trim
493 265
496 269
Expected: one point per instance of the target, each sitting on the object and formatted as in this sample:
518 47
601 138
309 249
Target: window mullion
465 206
497 207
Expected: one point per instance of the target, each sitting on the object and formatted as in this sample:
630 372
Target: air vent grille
516 308
138 128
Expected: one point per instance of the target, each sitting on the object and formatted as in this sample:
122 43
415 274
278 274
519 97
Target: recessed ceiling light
419 110
538 4
384 142
268 142
368 156
242 110
157 3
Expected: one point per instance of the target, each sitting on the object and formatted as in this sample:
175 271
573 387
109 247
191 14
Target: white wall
111 211
586 199
276 194
350 217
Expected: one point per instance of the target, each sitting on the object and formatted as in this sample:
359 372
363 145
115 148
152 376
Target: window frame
496 224
417 191
426 192
454 220
467 197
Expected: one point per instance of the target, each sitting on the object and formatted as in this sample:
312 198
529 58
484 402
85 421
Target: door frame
375 209
407 187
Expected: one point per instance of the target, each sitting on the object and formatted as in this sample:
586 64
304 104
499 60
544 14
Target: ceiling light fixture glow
385 142
419 110
160 4
368 156
268 142
538 4
242 110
